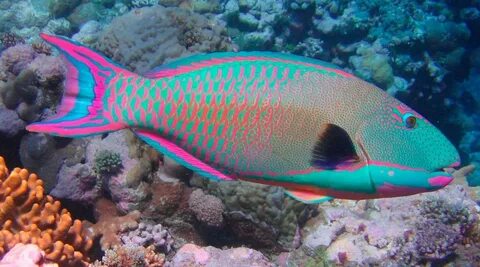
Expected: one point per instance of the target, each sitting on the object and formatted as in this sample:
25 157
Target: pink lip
455 164
440 181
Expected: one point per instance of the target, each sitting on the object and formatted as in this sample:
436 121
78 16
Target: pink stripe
71 89
211 62
274 73
86 56
137 103
143 116
440 181
229 74
241 73
46 128
73 49
396 117
252 76
219 75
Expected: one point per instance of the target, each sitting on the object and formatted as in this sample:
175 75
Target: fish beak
440 181
451 173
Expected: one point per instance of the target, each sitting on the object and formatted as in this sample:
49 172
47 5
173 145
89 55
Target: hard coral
10 39
133 256
107 161
148 234
27 215
25 256
110 224
208 209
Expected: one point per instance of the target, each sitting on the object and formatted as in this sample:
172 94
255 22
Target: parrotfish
271 118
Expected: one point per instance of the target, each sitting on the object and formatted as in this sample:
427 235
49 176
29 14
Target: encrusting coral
109 224
29 216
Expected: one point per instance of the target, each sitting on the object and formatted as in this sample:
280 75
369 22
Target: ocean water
299 109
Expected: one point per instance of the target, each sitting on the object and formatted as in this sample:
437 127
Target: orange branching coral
29 216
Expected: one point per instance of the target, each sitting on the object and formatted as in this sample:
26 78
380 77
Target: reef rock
193 255
262 216
124 171
408 230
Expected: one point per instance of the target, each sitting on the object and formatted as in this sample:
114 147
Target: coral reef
29 216
415 50
262 216
145 38
119 256
127 186
435 227
30 83
109 224
127 236
107 162
88 33
10 123
26 256
421 51
193 255
149 234
46 155
10 39
207 208
469 102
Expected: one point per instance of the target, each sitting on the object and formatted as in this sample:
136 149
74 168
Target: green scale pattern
213 113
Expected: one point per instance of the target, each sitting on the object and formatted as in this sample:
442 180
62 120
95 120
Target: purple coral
435 240
10 123
149 234
48 70
17 58
208 209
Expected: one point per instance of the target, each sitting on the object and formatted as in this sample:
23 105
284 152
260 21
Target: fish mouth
441 180
444 176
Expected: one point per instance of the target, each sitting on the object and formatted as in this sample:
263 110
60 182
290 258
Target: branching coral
135 256
148 234
27 215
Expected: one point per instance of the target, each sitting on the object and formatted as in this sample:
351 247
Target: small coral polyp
29 216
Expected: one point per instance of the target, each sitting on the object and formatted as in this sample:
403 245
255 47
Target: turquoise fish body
270 118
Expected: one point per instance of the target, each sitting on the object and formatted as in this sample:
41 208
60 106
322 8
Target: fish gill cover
426 53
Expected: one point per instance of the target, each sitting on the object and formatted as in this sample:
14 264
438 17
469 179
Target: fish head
404 152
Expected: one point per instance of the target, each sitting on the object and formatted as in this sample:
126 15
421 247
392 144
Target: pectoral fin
307 197
334 148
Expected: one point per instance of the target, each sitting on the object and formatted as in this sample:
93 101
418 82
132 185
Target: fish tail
82 110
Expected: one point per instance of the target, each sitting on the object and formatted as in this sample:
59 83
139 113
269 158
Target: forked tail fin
81 112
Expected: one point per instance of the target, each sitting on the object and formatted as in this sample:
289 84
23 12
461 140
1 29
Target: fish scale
248 111
269 118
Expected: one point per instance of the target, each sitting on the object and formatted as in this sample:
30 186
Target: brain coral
144 38
27 215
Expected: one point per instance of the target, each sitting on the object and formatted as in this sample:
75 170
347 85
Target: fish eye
409 120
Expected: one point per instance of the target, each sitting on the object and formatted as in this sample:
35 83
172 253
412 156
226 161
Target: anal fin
180 155
307 197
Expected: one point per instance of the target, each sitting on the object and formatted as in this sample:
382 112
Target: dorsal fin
334 147
195 62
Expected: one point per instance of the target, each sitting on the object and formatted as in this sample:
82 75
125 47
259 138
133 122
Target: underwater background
128 205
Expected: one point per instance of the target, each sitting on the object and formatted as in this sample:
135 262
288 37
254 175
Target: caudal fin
81 112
